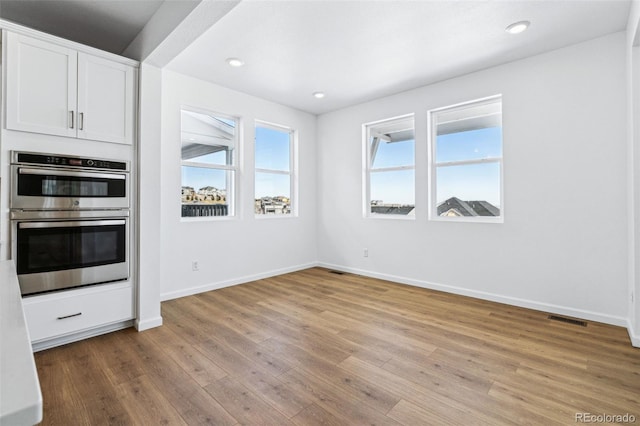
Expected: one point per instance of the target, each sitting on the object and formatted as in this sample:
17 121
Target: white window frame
231 183
368 169
292 173
433 166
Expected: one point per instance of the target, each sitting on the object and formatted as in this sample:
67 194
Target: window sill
474 219
208 218
274 216
390 217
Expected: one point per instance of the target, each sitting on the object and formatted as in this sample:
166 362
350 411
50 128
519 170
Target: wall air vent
567 320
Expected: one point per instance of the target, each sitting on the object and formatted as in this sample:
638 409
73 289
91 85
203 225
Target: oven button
76 203
90 162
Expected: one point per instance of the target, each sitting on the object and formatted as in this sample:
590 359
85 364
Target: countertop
20 395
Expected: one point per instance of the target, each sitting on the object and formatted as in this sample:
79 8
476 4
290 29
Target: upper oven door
41 188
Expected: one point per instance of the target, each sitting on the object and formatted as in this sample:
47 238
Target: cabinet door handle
70 316
81 121
71 126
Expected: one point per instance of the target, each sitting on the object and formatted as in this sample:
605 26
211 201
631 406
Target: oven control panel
57 160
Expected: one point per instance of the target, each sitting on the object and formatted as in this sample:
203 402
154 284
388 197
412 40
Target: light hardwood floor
314 347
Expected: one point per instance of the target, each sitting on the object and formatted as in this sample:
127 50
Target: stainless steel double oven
69 221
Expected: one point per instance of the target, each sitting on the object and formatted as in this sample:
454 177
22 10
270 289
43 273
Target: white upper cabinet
105 99
59 91
41 86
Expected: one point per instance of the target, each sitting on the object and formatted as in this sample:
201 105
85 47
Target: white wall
149 207
563 244
633 153
231 250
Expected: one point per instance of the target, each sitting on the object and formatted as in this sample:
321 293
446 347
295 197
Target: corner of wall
633 335
633 21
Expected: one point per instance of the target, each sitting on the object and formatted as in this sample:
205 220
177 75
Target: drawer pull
70 316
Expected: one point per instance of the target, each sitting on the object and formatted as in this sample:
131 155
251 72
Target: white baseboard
235 281
523 303
146 324
633 335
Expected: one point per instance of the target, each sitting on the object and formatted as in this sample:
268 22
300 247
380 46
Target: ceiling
109 25
354 51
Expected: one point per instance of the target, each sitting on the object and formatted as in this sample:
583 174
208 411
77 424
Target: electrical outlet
195 266
365 253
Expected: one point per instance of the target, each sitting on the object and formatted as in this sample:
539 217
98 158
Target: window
274 161
209 151
466 162
390 168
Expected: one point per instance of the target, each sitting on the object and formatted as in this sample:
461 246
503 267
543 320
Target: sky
272 153
394 187
467 182
199 177
475 182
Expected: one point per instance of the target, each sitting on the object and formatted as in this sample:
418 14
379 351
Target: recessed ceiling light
517 27
235 62
318 95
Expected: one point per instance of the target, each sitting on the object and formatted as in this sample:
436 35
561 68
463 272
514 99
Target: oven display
53 185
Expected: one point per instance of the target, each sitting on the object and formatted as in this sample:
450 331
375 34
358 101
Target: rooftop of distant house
457 207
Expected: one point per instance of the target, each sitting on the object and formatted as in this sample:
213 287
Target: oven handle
69 224
49 172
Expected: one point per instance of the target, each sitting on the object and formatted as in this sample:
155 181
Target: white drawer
55 315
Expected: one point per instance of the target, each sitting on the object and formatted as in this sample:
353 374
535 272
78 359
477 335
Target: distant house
406 210
273 205
188 194
456 207
212 193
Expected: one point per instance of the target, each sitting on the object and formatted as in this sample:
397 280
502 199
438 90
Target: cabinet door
106 100
41 86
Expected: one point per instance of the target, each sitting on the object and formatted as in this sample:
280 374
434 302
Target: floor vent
336 272
568 320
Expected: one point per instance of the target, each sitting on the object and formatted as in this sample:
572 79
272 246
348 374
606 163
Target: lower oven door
55 255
